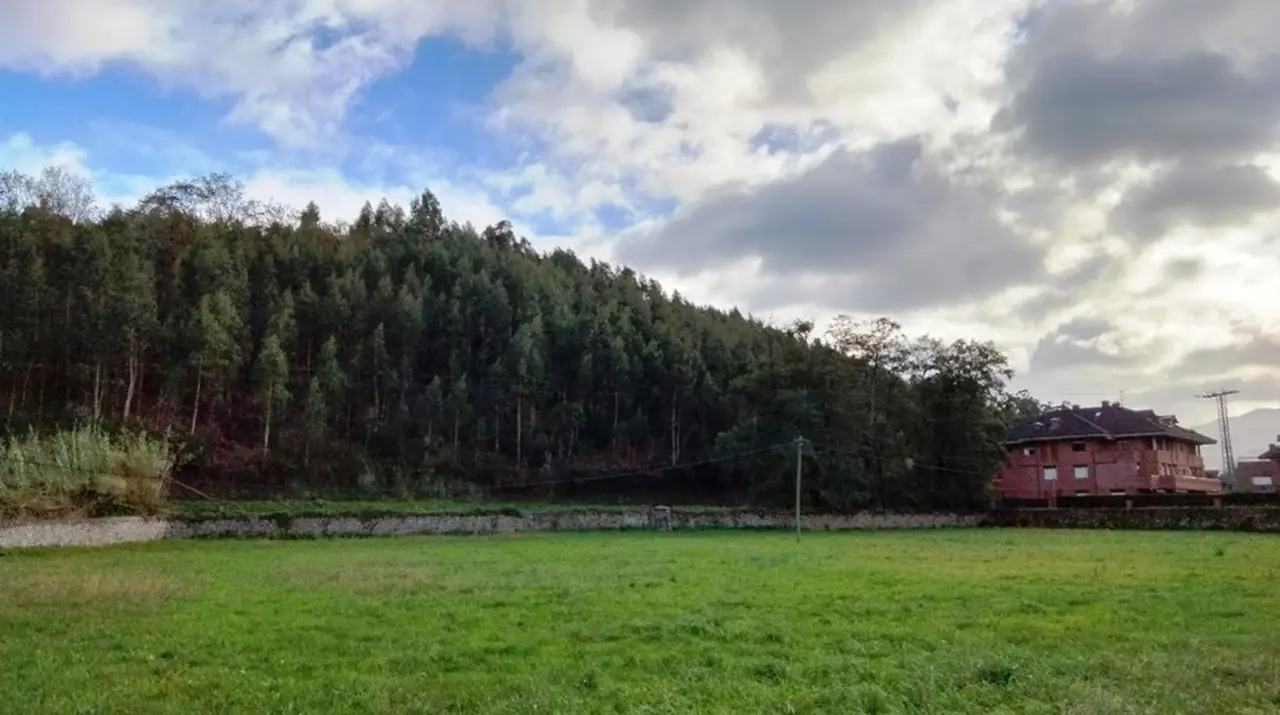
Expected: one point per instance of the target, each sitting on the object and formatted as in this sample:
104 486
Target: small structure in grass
660 518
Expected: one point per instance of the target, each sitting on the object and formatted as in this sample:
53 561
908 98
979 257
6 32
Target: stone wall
117 530
1227 518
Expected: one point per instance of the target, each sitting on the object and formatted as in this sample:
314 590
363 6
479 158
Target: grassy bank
209 509
83 472
982 621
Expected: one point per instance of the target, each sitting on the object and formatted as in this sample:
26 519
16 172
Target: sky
1094 185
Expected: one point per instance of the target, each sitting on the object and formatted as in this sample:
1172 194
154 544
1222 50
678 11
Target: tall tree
271 378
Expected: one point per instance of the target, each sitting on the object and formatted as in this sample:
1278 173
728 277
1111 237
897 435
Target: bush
83 472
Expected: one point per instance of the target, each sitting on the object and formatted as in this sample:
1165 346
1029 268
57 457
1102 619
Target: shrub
83 472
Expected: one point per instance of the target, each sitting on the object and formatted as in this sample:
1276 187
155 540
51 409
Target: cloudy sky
1092 184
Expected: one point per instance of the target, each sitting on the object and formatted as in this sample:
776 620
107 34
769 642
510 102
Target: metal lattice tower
1224 431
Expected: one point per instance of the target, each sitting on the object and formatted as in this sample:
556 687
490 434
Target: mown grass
982 621
82 472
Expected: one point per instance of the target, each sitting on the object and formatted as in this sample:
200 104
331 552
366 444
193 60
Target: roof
1105 422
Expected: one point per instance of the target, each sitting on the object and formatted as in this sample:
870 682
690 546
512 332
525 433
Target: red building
1262 475
1103 450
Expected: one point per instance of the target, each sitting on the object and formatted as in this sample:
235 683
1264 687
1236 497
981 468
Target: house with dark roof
1262 474
1109 449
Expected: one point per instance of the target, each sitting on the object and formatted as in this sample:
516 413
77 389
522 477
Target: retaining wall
118 530
1227 518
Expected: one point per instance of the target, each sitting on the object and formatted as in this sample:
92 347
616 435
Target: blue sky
132 123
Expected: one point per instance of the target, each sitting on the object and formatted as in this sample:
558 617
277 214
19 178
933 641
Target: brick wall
1232 518
1102 467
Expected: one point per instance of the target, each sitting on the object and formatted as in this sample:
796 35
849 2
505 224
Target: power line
913 464
651 470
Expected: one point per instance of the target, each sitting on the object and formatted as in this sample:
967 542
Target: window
1077 446
1262 481
1082 472
1028 451
1050 474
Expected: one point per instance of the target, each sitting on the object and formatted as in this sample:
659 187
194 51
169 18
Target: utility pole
1224 432
799 469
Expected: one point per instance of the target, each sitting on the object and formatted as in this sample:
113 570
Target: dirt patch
94 588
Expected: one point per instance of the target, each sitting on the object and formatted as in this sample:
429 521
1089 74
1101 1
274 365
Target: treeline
406 353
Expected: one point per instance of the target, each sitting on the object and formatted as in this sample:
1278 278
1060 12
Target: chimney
1106 403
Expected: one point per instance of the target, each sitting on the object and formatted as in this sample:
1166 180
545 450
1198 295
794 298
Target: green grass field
978 621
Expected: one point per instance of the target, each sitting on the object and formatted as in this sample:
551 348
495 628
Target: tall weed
83 472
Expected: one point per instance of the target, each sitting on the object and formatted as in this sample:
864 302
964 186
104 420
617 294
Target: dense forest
402 353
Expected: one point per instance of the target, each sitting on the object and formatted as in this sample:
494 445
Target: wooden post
799 469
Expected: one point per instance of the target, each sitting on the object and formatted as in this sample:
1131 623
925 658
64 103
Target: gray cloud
1050 355
1147 80
1082 109
790 40
1074 344
1252 348
1261 387
885 228
1061 291
1183 270
649 104
1085 328
1191 194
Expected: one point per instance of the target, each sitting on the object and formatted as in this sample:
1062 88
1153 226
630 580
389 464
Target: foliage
955 621
83 472
405 353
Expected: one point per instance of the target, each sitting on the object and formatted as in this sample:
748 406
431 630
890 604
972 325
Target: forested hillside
404 353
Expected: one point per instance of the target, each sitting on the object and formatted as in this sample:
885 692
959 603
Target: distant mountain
1250 435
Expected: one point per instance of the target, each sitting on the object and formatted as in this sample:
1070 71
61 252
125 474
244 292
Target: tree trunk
40 399
675 430
519 425
195 405
457 424
132 369
97 392
266 429
26 381
614 434
13 398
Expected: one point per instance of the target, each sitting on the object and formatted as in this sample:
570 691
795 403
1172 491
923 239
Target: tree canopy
406 353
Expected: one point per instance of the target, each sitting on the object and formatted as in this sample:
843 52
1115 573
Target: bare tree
57 191
65 194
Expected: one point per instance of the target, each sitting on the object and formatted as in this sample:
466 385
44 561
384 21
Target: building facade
1261 475
1108 449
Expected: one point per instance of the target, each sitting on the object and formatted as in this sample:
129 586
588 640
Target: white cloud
19 152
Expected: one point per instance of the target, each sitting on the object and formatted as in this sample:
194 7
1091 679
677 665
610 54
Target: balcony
1195 485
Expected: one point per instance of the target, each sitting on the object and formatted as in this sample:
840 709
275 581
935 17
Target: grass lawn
978 621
